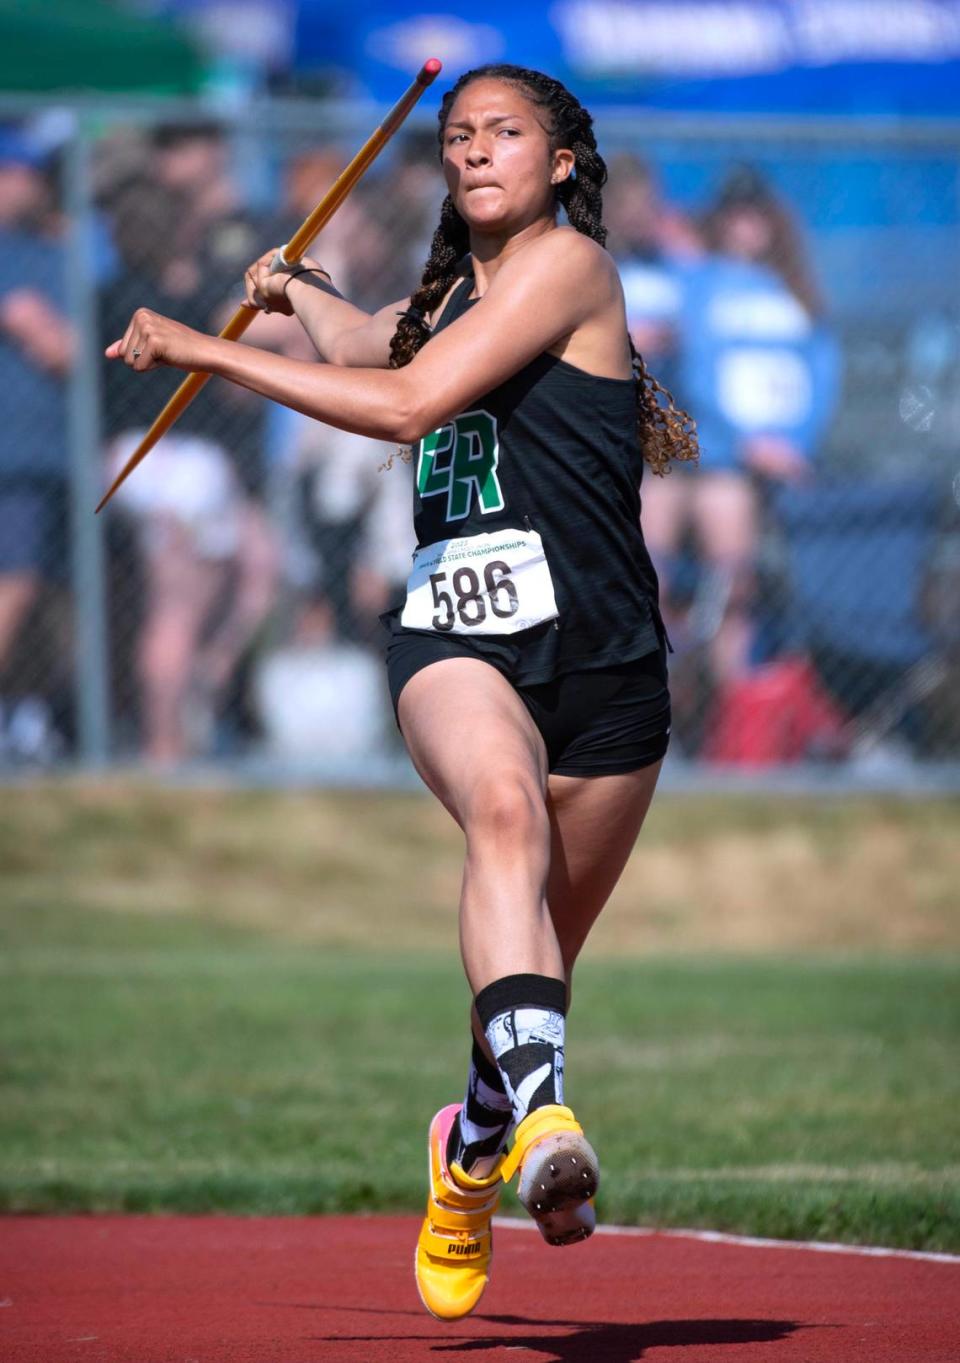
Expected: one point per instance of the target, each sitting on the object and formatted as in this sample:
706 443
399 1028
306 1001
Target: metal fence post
91 668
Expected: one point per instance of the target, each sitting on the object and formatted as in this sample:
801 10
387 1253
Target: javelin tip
432 68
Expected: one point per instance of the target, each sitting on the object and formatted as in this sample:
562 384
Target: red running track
236 1290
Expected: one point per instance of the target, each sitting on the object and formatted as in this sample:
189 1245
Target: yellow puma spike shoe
456 1243
559 1173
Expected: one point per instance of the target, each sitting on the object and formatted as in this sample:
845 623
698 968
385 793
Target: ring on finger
136 354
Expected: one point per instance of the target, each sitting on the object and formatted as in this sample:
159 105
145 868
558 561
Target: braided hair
664 431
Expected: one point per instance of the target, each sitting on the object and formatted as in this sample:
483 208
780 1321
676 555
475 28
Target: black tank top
569 467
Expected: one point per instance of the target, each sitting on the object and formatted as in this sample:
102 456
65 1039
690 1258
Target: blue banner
827 56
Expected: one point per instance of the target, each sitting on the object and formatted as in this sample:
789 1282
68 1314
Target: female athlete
528 665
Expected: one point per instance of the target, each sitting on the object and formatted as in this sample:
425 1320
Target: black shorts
598 722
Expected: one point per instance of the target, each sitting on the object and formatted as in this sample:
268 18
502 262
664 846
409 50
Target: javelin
288 255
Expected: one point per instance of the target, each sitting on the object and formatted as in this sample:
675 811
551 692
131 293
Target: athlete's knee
508 808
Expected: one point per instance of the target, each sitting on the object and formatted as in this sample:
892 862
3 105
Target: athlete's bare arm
354 339
369 345
342 333
560 293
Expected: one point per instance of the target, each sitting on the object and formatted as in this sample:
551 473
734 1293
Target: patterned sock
523 1019
485 1122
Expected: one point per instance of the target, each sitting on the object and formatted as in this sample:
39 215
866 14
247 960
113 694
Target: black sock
485 1122
523 1020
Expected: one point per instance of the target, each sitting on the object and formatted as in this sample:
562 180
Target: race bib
497 583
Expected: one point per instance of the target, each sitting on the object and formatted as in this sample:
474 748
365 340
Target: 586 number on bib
462 596
480 584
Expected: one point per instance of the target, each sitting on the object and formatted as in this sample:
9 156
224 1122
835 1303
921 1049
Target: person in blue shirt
759 365
36 348
654 244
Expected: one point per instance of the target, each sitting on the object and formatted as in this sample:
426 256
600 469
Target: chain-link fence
794 285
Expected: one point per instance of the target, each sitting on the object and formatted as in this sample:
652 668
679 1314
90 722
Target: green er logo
460 460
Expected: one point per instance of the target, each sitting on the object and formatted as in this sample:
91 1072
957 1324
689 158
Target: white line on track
753 1242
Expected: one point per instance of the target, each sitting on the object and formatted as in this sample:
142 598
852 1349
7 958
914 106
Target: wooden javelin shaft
294 249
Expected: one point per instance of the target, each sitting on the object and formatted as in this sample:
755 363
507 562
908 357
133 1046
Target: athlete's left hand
152 340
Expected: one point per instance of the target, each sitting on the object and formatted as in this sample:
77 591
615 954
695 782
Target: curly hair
664 430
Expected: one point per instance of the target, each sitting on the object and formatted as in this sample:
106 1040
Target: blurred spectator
355 527
652 243
376 244
408 198
346 526
354 246
36 348
349 546
190 163
184 242
758 369
348 540
208 554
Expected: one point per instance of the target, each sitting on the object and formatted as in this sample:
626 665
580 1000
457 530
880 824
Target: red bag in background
778 713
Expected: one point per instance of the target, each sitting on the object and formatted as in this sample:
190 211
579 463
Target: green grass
155 1063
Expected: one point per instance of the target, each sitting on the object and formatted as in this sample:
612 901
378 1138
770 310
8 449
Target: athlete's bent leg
476 747
595 821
